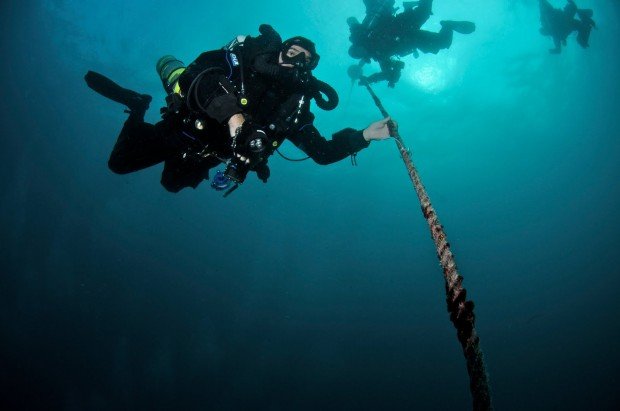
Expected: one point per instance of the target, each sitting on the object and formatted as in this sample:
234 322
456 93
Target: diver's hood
304 43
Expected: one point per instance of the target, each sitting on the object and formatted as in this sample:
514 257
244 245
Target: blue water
319 290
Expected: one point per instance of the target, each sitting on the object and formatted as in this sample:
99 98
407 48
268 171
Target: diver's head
353 22
299 52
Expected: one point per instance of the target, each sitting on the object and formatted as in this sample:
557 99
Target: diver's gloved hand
239 166
249 147
262 171
251 140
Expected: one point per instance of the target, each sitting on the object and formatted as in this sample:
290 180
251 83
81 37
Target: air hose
318 89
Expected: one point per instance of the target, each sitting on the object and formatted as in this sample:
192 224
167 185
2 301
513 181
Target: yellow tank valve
169 69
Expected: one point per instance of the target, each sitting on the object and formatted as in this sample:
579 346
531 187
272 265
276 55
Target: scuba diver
383 35
560 23
236 106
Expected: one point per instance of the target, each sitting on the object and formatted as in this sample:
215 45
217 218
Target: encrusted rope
461 311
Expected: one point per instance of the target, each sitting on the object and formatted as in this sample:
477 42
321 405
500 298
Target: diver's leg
444 38
140 145
186 171
584 27
583 35
429 42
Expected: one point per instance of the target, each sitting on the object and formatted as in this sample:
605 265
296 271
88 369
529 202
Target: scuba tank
169 69
376 12
184 96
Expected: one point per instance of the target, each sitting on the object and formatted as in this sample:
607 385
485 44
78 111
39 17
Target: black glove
249 148
250 141
262 171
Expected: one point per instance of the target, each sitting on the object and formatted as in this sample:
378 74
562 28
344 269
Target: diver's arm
343 144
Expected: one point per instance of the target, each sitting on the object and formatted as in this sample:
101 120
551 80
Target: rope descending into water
461 311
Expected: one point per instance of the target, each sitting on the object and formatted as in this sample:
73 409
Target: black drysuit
277 106
560 23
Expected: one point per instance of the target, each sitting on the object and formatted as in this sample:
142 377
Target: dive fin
583 36
463 27
135 101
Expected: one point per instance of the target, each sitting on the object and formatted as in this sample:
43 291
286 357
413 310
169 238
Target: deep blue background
321 289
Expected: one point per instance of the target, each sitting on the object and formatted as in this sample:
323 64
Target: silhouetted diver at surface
560 23
383 36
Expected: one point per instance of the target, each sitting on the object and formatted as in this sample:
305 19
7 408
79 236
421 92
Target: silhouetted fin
463 27
135 101
583 36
